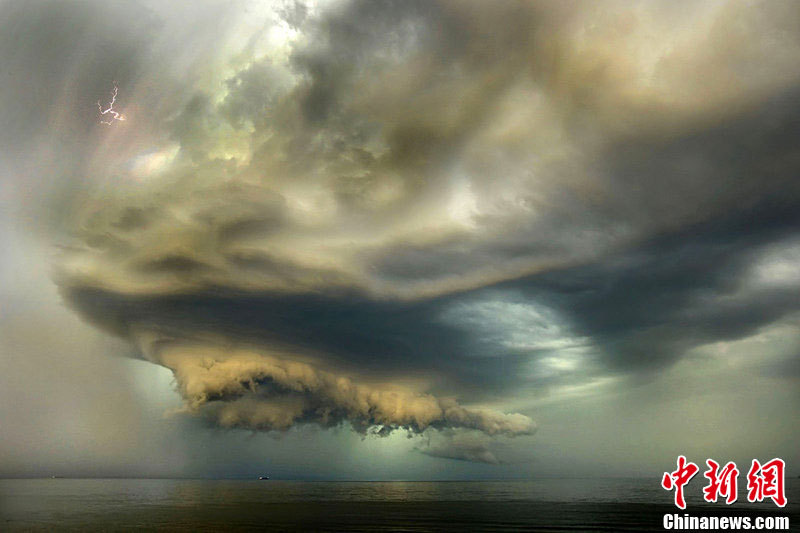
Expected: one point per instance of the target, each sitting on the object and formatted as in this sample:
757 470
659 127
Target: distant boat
263 478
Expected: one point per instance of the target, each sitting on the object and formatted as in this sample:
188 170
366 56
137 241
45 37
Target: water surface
211 505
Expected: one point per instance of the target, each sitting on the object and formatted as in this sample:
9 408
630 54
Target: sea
275 505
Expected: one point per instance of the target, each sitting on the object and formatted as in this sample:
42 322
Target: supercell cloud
404 215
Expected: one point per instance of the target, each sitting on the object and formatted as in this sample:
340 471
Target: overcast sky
398 240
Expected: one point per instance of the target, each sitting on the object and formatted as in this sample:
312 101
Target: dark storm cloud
647 305
361 334
742 171
417 204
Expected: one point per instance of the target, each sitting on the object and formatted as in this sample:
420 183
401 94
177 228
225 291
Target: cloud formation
394 214
250 390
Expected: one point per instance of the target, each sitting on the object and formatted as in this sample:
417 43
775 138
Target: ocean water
222 505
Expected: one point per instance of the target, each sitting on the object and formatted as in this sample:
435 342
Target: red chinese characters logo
680 477
766 481
720 482
763 481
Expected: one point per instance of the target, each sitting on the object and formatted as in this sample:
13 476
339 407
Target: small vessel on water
263 478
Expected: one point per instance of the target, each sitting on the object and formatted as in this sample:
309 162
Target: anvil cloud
408 215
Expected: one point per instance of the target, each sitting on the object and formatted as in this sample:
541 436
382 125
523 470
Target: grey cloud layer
413 149
610 173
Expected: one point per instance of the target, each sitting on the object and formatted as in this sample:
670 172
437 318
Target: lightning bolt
114 115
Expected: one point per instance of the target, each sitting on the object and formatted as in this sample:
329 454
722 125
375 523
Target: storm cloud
408 215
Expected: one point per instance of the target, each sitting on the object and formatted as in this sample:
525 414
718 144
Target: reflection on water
190 505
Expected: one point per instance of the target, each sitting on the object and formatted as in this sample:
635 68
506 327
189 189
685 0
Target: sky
398 239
